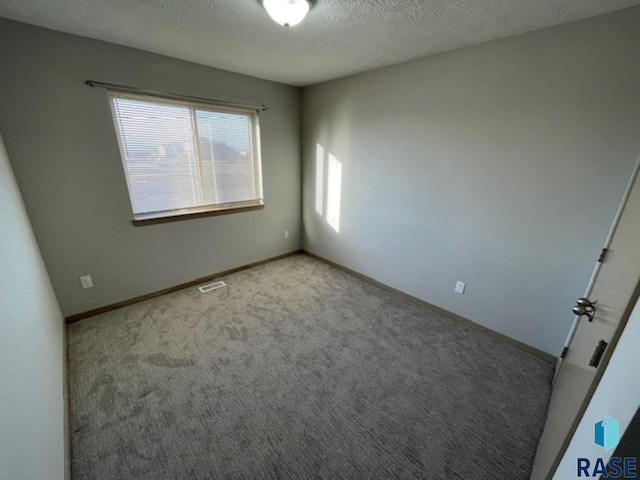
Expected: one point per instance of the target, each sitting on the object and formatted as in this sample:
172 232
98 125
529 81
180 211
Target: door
612 286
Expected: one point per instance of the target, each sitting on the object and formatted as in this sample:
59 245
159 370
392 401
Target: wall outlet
86 281
460 286
286 234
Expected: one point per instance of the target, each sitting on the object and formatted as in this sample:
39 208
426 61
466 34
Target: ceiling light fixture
287 12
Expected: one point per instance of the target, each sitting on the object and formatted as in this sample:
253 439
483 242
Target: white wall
501 165
32 443
617 396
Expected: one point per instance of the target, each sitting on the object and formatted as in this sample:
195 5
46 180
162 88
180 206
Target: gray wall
64 152
32 442
500 165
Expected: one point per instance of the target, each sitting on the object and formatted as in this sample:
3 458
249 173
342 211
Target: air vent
212 286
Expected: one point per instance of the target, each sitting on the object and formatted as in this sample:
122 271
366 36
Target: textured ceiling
338 38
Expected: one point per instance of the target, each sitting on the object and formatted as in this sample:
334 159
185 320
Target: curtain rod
174 96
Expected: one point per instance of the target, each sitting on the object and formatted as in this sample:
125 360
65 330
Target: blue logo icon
606 433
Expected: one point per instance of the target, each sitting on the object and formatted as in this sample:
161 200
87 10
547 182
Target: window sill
198 212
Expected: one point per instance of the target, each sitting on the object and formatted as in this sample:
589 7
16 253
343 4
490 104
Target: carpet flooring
298 370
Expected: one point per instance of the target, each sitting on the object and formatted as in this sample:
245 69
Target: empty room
290 239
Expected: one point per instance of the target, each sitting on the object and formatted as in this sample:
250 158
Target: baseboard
114 306
65 399
442 311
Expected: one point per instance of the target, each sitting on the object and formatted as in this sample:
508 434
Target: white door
615 281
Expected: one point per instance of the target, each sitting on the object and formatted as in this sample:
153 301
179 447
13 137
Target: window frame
201 210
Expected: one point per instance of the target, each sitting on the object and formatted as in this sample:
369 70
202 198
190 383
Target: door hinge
565 350
603 255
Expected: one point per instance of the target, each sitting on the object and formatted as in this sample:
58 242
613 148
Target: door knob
585 302
585 307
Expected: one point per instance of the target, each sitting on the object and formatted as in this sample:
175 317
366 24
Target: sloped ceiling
338 38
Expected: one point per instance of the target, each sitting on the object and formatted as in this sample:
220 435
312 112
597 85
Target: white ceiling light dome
287 12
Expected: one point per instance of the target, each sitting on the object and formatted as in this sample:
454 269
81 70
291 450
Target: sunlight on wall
331 183
319 178
334 191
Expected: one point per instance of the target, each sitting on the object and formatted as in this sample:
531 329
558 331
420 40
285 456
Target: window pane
227 167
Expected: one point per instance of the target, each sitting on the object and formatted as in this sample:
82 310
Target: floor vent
212 286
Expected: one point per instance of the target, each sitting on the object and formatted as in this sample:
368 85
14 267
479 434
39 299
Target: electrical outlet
286 234
460 286
86 281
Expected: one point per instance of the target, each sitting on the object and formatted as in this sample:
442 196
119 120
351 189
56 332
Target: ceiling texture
338 37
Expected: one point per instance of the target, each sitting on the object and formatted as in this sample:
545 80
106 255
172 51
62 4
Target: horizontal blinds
179 155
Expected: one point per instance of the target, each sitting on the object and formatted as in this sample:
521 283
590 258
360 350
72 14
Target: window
182 158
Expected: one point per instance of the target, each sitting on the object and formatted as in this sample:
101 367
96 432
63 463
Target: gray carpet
298 370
